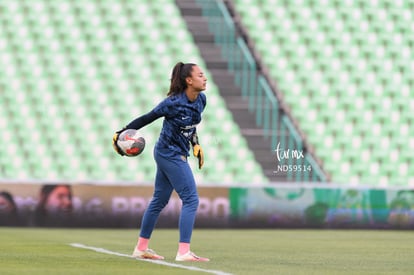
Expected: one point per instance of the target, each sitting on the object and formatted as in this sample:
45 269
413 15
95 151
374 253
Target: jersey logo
185 117
189 127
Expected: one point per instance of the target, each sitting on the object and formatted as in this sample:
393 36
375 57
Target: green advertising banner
309 206
265 206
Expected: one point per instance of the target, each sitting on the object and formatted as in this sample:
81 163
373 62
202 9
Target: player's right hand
115 143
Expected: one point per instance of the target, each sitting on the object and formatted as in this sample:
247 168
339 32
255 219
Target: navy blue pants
173 173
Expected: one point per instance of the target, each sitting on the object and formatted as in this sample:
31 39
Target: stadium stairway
211 53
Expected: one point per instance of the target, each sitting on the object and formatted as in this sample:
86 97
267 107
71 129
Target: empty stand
76 71
346 70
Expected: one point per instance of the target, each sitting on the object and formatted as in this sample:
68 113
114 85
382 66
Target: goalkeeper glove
115 142
197 150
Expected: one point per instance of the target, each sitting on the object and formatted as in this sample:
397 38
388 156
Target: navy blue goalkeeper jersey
181 117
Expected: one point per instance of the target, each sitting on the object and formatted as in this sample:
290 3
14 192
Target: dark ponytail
179 73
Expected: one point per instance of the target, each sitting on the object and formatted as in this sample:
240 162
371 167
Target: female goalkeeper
181 110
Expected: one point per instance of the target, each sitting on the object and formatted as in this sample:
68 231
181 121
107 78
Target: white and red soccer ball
131 142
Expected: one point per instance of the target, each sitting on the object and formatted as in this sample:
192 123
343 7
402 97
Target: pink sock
183 248
142 243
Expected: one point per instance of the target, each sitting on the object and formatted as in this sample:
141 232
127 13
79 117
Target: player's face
198 80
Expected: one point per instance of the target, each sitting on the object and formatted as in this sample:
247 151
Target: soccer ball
131 142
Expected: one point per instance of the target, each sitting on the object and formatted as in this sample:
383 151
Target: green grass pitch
48 251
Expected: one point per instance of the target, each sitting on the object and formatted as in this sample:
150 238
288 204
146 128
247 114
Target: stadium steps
93 64
336 75
261 147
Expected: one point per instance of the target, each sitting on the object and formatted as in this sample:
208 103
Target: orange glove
115 143
198 152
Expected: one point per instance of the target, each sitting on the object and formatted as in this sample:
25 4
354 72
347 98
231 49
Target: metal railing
262 101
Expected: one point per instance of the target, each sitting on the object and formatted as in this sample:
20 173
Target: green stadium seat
361 50
93 64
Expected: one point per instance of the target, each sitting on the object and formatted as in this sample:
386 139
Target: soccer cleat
190 257
146 254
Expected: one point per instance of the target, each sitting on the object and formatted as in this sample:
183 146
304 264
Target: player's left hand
198 152
115 143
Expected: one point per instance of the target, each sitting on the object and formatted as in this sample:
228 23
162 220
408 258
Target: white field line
159 262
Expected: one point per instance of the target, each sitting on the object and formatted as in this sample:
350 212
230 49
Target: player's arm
143 120
137 124
197 150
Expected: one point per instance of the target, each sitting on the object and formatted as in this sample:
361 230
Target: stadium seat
343 64
76 71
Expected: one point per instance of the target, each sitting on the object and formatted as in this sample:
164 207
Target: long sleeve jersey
181 117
